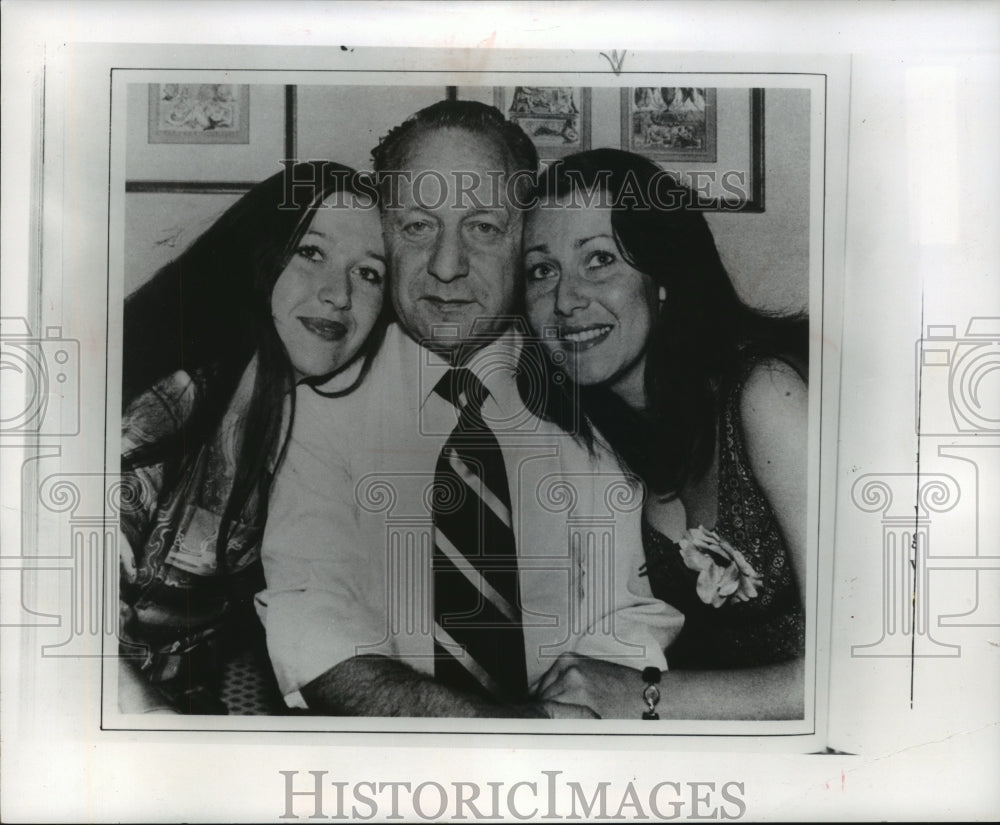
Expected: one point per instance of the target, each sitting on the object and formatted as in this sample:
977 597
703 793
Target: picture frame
670 123
728 177
199 113
557 118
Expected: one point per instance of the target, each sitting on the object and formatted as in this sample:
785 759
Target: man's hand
379 686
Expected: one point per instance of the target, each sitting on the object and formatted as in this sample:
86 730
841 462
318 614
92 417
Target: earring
663 294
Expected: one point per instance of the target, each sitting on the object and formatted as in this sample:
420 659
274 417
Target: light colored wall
344 123
766 254
158 227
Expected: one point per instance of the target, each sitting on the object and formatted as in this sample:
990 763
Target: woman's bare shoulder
771 384
774 403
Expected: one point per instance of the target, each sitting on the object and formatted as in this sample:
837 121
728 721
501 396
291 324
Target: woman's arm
614 691
774 412
774 408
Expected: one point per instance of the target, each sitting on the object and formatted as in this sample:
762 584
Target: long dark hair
208 312
701 329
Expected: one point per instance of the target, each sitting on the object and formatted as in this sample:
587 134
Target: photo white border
552 69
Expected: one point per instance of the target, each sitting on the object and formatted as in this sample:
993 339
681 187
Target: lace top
765 629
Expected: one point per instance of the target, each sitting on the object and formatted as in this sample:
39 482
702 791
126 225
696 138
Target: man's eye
418 229
310 253
485 229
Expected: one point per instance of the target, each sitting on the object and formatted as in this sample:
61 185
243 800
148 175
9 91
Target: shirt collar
494 364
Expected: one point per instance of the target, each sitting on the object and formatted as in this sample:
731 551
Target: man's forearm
378 686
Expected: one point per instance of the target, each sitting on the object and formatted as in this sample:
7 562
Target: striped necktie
478 641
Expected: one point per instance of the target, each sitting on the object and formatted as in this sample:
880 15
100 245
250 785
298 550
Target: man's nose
449 259
336 289
569 296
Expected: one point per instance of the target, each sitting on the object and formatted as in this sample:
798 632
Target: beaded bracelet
651 695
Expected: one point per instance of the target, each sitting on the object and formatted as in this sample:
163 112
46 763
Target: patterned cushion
248 686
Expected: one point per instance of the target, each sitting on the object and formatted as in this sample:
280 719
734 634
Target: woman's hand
615 692
611 691
564 710
126 556
136 694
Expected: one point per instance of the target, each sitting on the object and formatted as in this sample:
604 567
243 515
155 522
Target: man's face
453 241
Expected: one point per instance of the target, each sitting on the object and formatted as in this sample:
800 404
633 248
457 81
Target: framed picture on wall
199 113
556 118
711 139
201 138
670 122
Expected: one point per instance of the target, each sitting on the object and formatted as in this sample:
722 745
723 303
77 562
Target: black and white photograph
499 411
415 427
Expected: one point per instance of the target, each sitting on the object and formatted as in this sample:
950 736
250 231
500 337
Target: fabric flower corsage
723 573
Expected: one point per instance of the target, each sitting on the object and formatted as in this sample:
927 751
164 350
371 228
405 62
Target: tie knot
460 388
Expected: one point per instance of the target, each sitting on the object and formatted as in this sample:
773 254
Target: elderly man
433 545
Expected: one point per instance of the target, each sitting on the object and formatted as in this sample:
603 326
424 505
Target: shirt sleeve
314 608
641 626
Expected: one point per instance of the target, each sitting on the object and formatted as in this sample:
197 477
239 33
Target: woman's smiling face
585 301
327 299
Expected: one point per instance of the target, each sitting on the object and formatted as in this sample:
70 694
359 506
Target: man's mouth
448 304
585 337
324 328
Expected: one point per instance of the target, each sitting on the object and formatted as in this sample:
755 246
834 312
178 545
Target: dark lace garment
768 628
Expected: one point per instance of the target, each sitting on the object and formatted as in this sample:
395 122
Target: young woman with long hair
705 400
285 287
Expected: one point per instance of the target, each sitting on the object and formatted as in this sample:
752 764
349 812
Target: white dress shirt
348 544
